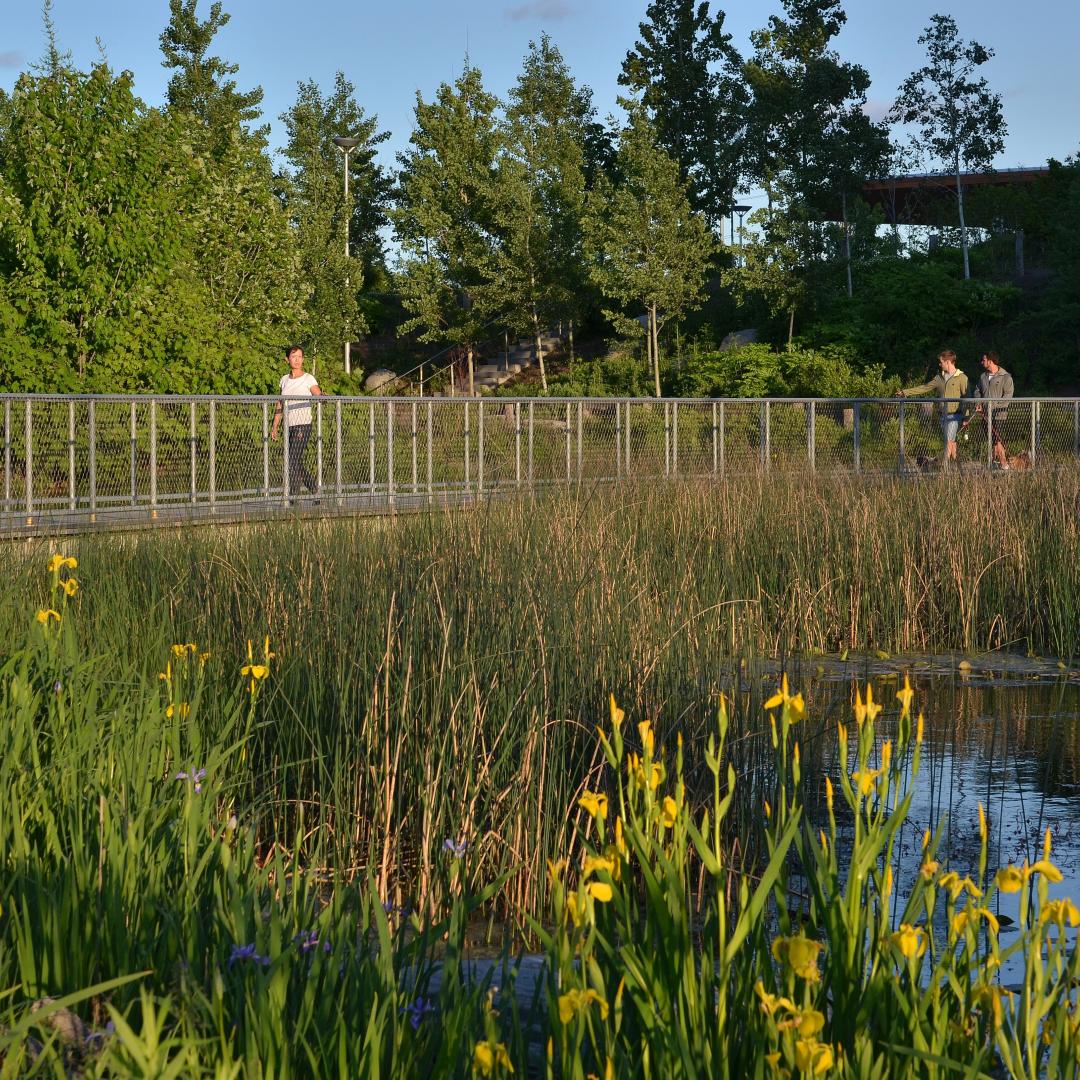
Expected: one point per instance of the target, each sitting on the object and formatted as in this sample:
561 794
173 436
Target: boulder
379 378
738 338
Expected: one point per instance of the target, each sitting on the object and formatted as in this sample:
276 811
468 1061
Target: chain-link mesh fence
70 461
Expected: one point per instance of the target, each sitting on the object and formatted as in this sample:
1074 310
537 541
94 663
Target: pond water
1004 732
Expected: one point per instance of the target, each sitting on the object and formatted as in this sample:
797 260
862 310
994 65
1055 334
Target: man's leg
1000 454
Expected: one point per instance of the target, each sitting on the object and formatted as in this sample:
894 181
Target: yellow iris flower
62 562
869 710
594 803
670 812
70 586
794 706
905 697
47 615
489 1055
617 714
575 1001
956 885
909 941
800 954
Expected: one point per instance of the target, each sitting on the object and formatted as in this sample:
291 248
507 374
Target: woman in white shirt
297 383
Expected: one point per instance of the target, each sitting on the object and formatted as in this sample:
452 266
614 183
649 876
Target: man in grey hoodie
995 386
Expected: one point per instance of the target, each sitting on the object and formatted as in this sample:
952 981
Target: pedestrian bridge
77 462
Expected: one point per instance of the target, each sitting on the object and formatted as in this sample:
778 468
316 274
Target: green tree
645 244
958 119
315 199
446 218
688 75
538 264
201 85
88 234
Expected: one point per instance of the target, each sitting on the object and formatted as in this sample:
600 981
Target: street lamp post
346 145
740 210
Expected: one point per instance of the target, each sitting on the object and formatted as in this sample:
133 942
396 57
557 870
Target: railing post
1038 430
715 443
468 448
903 440
29 457
531 427
761 434
134 451
7 455
72 498
266 449
191 449
675 438
517 444
286 483
580 410
213 456
1076 426
412 436
667 439
430 448
566 428
337 450
811 436
618 438
480 446
723 435
626 436
1031 445
371 451
989 433
92 431
153 459
390 453
318 447
857 420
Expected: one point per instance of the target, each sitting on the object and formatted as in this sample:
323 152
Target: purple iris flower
196 776
247 952
456 848
307 940
420 1008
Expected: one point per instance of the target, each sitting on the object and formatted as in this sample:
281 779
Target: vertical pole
92 424
667 439
903 441
430 446
715 444
7 455
318 447
768 434
412 436
723 435
989 433
626 431
134 450
618 438
531 426
675 438
286 482
858 433
371 451
266 450
72 500
467 447
28 447
567 431
213 456
1076 426
811 436
517 444
191 452
761 434
153 458
390 452
580 410
337 450
1038 429
1031 444
480 446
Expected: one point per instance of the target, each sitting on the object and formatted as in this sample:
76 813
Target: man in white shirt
297 383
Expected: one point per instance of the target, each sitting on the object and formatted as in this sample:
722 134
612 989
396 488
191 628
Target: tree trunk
963 225
847 244
538 338
571 342
655 336
791 330
472 384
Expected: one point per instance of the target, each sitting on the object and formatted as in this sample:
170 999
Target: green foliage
760 371
615 375
687 73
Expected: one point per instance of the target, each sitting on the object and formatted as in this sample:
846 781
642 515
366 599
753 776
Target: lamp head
346 143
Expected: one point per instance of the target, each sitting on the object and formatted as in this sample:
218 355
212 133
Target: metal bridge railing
79 461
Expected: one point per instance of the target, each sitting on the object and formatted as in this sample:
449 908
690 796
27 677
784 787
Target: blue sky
392 50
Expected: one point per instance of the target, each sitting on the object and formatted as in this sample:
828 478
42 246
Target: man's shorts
950 426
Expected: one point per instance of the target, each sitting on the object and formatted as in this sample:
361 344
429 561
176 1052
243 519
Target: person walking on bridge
296 384
995 385
951 385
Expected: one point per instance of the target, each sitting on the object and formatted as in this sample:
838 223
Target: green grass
440 678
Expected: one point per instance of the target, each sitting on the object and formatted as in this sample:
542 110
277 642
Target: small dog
1019 461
